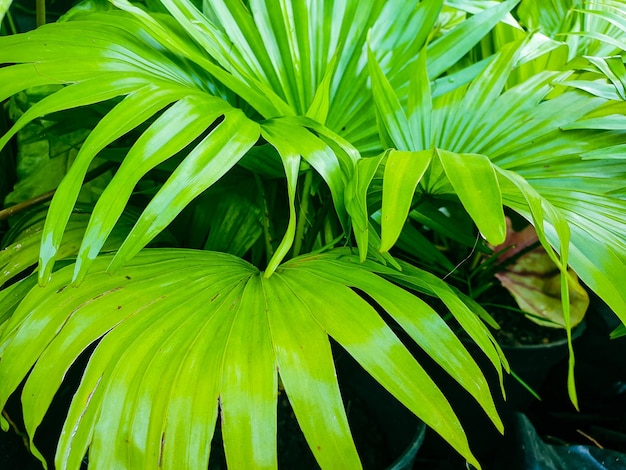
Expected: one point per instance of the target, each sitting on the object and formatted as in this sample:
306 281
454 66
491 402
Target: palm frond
592 28
224 331
538 154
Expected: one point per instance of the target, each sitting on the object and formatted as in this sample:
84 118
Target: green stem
41 12
329 236
302 216
11 23
267 234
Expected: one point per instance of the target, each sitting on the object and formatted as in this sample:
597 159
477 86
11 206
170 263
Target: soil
517 330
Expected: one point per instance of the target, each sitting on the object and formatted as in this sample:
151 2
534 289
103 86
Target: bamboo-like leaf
207 163
176 128
304 359
131 112
474 180
403 172
448 49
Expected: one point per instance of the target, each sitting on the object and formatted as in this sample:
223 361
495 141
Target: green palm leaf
224 331
290 90
24 240
523 136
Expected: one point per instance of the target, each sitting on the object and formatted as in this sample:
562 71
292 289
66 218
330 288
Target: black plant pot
397 433
532 363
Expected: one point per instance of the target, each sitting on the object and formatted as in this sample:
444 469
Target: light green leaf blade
193 405
176 128
357 327
479 98
250 383
356 200
403 172
158 381
10 298
84 328
419 104
207 163
393 123
23 253
128 114
274 132
234 47
132 305
474 180
80 94
163 426
422 323
447 50
305 362
459 307
4 7
21 77
333 163
552 230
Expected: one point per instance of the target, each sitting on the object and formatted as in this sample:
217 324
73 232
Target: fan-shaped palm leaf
223 332
535 161
267 84
151 61
592 28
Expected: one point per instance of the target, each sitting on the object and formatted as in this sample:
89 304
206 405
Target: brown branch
590 438
22 206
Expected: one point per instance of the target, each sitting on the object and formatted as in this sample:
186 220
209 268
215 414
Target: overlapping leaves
515 148
208 90
278 58
224 330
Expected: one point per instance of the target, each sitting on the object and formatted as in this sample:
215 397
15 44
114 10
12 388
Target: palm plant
271 137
